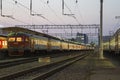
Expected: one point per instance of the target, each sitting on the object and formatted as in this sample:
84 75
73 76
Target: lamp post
101 30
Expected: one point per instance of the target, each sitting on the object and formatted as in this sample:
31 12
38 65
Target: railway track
6 64
13 62
44 71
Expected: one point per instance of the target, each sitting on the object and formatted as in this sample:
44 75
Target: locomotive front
17 44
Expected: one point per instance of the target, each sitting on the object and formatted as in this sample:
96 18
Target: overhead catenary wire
71 14
10 16
68 8
16 2
38 14
16 18
79 11
52 10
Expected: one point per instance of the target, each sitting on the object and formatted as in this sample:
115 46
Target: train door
49 44
32 44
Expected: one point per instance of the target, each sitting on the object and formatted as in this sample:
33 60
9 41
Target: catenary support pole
101 30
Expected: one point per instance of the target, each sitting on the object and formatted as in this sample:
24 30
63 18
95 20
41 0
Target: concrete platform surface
90 68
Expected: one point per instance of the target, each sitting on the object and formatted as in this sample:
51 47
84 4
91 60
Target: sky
85 12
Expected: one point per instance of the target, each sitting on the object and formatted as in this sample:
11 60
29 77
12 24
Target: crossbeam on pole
90 26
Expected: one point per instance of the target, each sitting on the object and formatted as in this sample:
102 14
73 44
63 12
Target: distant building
82 38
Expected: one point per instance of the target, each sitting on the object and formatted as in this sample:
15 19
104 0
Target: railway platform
90 68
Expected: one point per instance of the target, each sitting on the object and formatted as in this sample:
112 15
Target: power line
38 14
79 12
71 14
63 6
16 2
68 8
76 19
10 16
52 10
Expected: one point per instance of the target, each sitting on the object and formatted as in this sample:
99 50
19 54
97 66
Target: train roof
28 31
18 34
118 31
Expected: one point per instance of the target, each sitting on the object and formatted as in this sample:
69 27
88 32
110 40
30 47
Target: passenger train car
113 45
21 43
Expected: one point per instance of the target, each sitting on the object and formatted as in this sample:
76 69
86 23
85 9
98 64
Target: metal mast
101 30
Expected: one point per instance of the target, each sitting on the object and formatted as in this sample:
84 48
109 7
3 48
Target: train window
5 42
11 39
18 39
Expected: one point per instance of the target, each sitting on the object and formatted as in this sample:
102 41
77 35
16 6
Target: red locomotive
3 46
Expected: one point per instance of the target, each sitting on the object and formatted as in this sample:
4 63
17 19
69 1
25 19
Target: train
3 45
113 45
23 43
